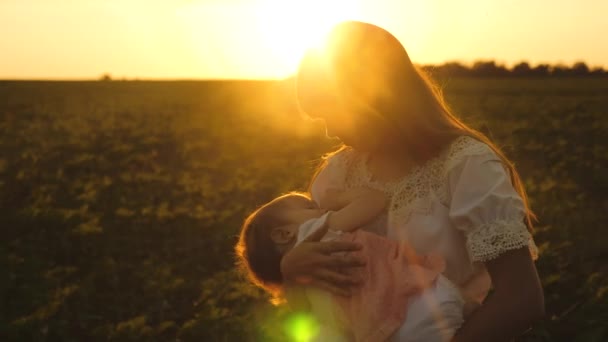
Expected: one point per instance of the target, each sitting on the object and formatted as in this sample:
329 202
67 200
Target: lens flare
301 327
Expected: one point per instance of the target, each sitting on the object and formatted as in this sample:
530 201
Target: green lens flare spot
301 327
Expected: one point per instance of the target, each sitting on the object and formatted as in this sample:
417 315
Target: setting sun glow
276 32
264 39
289 27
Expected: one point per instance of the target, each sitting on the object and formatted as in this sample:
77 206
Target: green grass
121 201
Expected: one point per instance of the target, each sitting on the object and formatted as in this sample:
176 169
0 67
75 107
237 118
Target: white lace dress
460 204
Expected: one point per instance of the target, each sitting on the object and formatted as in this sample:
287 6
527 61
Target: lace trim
421 180
464 147
488 241
484 242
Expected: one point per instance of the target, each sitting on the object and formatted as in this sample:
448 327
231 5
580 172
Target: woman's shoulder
464 147
343 156
341 153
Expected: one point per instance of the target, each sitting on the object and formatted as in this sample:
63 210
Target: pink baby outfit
393 274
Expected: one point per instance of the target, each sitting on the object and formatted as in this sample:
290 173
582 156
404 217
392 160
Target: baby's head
268 233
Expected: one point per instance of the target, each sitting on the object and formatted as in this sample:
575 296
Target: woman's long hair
365 64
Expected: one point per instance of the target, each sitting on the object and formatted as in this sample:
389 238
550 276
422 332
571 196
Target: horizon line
469 64
138 79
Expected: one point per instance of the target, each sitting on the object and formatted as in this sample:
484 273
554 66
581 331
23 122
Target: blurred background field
120 201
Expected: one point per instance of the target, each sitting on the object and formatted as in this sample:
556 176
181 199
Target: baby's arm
353 207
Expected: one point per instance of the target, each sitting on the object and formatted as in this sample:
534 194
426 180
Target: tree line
522 69
490 69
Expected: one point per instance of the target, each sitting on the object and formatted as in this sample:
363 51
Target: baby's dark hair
257 255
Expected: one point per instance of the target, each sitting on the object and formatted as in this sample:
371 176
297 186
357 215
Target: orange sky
81 39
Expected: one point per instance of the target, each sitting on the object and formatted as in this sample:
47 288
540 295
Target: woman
451 190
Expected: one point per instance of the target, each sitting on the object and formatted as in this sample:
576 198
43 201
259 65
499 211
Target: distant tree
598 71
522 69
580 69
489 69
456 69
450 69
105 77
541 70
560 70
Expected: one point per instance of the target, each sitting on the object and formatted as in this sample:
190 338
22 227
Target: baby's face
300 209
294 212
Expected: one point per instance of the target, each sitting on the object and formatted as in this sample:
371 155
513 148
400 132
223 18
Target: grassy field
120 201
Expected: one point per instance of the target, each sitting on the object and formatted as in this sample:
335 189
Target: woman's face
339 125
362 131
346 114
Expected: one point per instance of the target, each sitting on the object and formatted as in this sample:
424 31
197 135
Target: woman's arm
355 207
517 300
489 211
336 199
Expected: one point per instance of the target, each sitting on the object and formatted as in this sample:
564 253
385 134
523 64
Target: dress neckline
369 178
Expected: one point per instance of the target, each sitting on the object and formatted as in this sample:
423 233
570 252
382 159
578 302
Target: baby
392 303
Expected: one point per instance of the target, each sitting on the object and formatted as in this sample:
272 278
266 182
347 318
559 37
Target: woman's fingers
339 246
336 278
344 292
344 260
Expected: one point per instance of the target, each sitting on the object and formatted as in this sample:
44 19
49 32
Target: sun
257 38
289 27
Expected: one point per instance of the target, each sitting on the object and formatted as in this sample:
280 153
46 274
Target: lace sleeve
484 204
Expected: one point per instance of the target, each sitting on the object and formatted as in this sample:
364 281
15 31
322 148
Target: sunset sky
82 39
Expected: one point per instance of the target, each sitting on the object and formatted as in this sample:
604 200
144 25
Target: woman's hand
322 264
